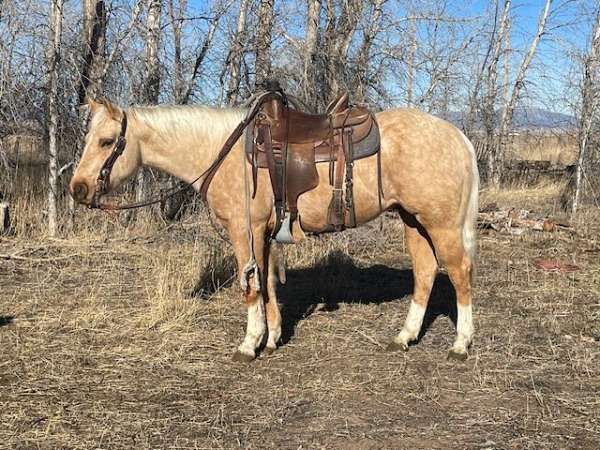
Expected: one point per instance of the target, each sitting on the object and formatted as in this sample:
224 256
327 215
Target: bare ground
102 347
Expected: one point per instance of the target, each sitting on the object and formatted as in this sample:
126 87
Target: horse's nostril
80 191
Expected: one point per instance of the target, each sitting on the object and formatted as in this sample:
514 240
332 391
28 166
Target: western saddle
289 143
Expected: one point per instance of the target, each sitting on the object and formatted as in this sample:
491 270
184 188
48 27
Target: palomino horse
429 174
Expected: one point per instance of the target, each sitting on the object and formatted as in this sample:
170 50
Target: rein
103 180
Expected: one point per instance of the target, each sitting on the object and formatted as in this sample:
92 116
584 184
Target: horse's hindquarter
426 168
427 165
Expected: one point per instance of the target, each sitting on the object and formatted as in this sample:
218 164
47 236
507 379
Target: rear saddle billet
289 143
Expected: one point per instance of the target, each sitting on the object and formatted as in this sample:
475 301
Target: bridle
103 180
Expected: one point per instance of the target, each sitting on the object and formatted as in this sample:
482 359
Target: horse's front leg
253 294
275 273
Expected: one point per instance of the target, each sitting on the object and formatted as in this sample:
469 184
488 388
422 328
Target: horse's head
107 126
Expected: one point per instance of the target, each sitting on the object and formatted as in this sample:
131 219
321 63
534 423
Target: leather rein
103 180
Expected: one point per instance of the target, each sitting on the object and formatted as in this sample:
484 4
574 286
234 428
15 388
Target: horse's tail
469 233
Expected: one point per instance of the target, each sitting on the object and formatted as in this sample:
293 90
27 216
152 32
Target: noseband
103 180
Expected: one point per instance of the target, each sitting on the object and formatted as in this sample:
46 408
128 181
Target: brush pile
517 221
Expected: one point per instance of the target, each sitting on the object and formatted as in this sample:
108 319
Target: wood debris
517 221
554 265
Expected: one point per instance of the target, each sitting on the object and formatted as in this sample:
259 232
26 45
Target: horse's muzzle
79 191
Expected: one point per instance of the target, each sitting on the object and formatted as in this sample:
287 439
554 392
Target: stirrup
284 235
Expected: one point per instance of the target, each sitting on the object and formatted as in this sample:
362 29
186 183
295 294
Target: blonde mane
172 122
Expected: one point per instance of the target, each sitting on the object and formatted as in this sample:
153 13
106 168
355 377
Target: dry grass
102 346
559 148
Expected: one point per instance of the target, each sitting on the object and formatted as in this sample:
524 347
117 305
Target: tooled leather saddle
290 143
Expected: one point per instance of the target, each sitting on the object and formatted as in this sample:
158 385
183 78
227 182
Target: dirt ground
102 346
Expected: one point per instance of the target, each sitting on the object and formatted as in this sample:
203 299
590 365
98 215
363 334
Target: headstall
103 180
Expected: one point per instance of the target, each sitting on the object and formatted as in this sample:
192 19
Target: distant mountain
524 119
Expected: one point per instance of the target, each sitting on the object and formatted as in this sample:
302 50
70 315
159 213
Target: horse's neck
183 144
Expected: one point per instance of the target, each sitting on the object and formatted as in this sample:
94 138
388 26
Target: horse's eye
106 142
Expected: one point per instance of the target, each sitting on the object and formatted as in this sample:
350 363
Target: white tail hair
469 233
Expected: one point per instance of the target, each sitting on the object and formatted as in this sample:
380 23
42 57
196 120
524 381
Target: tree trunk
589 106
4 217
509 108
93 36
53 57
490 101
93 43
235 56
210 34
152 82
176 15
369 35
410 81
338 36
311 60
262 65
151 88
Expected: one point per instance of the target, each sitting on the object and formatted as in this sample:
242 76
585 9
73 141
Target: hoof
269 350
242 357
395 346
457 356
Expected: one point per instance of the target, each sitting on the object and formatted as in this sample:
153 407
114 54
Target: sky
550 66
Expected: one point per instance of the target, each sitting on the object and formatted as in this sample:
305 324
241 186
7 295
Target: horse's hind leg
458 262
425 268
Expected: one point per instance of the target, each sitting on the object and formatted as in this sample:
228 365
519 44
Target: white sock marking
412 324
464 328
255 329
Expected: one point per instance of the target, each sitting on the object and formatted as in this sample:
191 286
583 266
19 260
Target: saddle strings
251 267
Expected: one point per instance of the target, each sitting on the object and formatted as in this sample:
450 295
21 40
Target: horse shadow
337 279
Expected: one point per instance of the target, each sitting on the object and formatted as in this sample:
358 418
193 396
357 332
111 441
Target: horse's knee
251 296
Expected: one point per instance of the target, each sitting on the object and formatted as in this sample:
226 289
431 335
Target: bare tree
410 63
590 103
176 15
362 61
339 31
93 34
203 50
508 109
311 60
151 85
152 82
53 57
236 52
262 64
491 95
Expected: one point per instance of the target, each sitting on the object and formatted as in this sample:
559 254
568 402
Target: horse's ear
113 110
91 104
